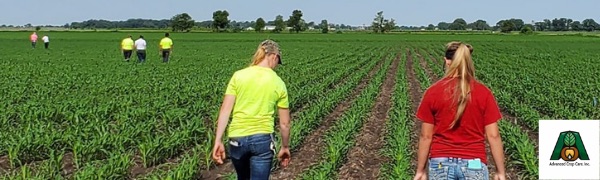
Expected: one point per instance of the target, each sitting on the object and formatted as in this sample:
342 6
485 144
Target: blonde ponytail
462 67
259 55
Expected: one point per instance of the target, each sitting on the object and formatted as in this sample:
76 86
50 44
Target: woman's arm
424 145
284 125
493 137
224 114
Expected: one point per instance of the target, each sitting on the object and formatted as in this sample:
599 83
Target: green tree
443 26
260 25
220 20
541 26
589 24
527 29
279 24
38 28
182 22
296 21
518 23
458 24
389 25
378 23
324 26
577 26
431 27
479 25
507 26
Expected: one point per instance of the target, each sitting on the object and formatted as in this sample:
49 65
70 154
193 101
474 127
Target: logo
569 147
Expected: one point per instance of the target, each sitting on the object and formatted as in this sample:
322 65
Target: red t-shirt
467 139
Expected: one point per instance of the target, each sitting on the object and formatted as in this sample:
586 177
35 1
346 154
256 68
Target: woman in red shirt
459 113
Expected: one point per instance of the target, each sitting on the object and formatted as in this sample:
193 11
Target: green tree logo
569 147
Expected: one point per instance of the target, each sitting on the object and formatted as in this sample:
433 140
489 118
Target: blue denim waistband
450 159
251 137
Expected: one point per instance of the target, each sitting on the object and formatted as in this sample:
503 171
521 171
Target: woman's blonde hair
462 66
264 48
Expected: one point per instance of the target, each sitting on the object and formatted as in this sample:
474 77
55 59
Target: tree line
295 23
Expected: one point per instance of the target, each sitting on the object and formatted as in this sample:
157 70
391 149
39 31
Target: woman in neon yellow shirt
252 94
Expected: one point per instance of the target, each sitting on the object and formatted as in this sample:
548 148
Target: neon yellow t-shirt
258 90
127 44
166 43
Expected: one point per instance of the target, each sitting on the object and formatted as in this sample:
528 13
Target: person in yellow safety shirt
165 47
254 94
127 47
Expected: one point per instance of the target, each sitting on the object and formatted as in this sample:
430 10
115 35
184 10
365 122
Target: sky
350 12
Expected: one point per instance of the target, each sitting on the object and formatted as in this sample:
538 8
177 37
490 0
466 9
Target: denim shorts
455 168
252 156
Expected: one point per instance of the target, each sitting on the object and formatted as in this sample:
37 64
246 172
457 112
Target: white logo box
549 131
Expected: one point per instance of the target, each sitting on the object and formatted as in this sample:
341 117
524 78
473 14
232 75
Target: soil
4 164
68 165
365 159
312 146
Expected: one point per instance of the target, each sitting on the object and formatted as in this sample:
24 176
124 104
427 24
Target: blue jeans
165 55
455 168
252 156
141 54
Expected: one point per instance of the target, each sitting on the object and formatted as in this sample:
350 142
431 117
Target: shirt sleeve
231 87
491 113
283 101
425 111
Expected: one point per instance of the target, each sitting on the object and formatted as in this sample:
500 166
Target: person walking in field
165 47
140 46
33 38
46 41
127 47
459 114
252 94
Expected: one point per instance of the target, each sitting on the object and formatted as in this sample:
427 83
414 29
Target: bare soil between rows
4 164
364 160
313 145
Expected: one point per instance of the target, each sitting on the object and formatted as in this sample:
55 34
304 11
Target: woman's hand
420 176
218 153
500 177
284 156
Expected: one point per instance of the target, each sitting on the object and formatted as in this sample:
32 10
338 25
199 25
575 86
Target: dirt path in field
510 172
313 145
365 159
415 98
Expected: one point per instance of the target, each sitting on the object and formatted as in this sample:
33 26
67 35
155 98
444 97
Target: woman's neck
264 63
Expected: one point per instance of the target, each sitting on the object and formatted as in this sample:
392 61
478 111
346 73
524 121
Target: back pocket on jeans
438 173
475 174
